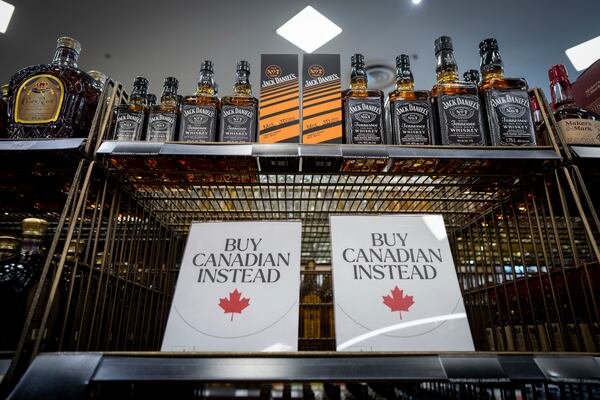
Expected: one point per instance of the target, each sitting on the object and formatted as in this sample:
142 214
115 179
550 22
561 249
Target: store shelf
586 151
52 374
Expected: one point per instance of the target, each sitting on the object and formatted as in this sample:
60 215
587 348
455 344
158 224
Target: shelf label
238 288
395 285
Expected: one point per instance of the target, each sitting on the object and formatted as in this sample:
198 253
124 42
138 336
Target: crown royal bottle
508 112
162 118
457 102
238 120
130 119
362 108
53 100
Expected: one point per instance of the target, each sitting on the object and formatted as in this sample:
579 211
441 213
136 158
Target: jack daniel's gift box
279 99
321 99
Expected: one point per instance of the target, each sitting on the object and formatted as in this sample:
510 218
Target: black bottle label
509 118
411 122
198 123
460 120
238 124
365 121
161 126
129 125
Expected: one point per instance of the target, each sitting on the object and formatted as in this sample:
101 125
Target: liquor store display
118 180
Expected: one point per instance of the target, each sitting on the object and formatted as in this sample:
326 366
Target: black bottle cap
443 43
358 60
486 45
140 81
170 81
151 98
207 65
243 66
471 75
403 60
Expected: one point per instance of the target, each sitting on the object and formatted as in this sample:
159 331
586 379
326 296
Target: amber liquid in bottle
238 118
199 112
130 119
457 103
578 126
54 100
410 111
4 112
509 118
362 108
163 117
311 315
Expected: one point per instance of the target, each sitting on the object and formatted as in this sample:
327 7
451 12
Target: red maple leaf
397 301
235 303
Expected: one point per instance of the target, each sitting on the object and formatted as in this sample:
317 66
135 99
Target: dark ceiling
161 38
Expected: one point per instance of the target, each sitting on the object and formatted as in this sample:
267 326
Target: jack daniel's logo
131 118
273 71
458 101
511 106
198 115
282 79
320 80
236 110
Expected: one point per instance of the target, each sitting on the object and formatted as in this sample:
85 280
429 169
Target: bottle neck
169 96
446 69
242 85
404 79
206 84
65 57
562 96
31 244
491 65
138 96
358 78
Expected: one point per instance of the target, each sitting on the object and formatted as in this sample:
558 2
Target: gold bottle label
39 100
580 131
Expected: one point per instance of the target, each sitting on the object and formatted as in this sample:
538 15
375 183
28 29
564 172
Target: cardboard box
321 99
279 109
586 89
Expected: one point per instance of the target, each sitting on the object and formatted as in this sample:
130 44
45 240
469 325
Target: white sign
238 288
395 286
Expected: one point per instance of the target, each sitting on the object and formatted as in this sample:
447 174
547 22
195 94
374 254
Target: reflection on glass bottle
53 100
310 318
130 119
162 118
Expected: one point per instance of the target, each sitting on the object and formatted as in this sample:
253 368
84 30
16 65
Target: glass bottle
130 118
410 110
472 76
311 303
538 121
238 119
327 297
151 99
3 111
162 118
506 100
99 79
457 103
578 126
53 100
362 108
199 112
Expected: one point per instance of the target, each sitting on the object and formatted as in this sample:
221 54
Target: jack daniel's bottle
130 118
410 110
162 118
238 121
53 100
509 118
199 112
457 102
362 108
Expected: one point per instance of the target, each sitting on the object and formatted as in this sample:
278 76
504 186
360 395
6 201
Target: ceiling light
6 12
584 54
416 2
309 30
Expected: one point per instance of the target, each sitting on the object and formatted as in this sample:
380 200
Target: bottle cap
486 45
8 242
98 76
170 81
151 98
443 43
471 75
68 42
34 226
140 81
558 73
403 60
243 66
207 65
357 60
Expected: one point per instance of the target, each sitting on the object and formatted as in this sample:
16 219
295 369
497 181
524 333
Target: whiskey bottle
238 120
99 79
472 76
53 100
508 112
162 118
130 118
538 121
3 111
410 110
362 108
311 304
578 126
199 112
457 102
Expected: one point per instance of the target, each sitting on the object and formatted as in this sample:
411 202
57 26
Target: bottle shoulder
503 84
398 95
131 107
197 100
575 113
362 93
239 101
453 88
163 108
